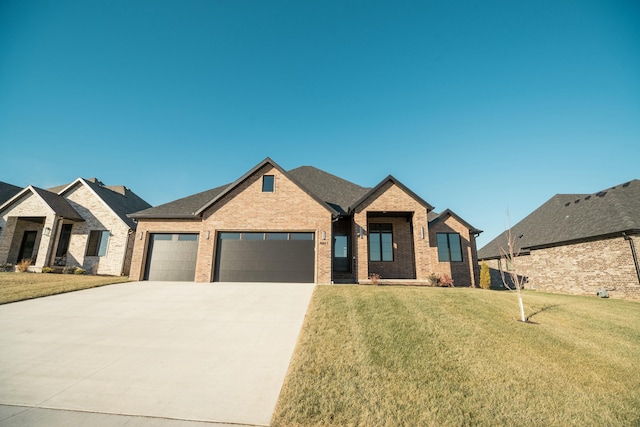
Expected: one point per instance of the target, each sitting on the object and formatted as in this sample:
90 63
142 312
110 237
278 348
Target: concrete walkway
159 353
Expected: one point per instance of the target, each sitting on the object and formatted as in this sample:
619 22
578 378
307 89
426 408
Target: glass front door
341 253
27 246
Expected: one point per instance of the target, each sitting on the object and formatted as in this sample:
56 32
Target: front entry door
341 261
26 248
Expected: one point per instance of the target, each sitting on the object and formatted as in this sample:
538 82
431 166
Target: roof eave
162 216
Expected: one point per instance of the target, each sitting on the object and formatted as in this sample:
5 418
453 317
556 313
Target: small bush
446 281
434 279
375 278
48 269
68 269
23 265
485 276
79 270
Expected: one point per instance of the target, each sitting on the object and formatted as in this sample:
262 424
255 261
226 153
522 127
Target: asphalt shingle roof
338 193
7 191
120 199
570 217
58 204
184 207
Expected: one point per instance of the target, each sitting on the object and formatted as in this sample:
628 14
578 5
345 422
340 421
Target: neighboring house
303 225
7 191
82 224
578 243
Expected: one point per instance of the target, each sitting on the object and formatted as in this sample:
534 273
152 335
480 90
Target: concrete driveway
215 353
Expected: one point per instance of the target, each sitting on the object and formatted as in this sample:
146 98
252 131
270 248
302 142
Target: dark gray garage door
172 257
265 257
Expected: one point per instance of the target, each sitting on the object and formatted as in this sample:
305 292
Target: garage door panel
171 257
265 260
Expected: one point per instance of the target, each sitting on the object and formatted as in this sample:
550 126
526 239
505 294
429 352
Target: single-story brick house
82 224
578 244
302 225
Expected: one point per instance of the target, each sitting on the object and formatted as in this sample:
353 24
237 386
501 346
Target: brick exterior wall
247 208
403 264
582 268
391 198
465 273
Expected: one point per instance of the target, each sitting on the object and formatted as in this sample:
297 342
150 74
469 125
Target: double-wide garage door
265 257
240 257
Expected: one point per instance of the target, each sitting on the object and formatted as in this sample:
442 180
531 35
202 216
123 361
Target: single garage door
172 257
265 257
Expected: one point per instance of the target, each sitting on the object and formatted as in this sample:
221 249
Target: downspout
634 254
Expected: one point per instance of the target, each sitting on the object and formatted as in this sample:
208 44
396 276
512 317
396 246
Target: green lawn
21 286
394 356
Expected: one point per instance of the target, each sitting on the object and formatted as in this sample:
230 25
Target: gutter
633 253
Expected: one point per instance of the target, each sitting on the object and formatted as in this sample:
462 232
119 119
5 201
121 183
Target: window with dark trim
380 242
267 183
98 241
449 247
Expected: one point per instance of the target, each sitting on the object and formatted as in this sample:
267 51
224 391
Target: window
301 236
267 183
277 236
449 247
98 241
380 242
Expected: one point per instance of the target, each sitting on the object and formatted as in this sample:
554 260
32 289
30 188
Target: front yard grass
22 286
393 356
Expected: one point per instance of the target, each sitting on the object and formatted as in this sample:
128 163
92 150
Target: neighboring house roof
120 199
446 214
573 217
56 203
7 191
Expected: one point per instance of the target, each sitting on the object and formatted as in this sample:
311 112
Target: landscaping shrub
446 281
434 279
23 265
48 269
485 276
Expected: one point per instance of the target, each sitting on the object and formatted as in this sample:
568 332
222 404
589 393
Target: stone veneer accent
581 268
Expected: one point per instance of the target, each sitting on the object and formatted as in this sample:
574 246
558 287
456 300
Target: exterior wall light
208 234
47 231
324 235
422 232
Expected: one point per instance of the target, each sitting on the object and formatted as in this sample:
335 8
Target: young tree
511 279
485 276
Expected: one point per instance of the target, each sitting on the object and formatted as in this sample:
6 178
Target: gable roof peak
395 181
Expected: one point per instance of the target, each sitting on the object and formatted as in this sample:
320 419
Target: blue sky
478 106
